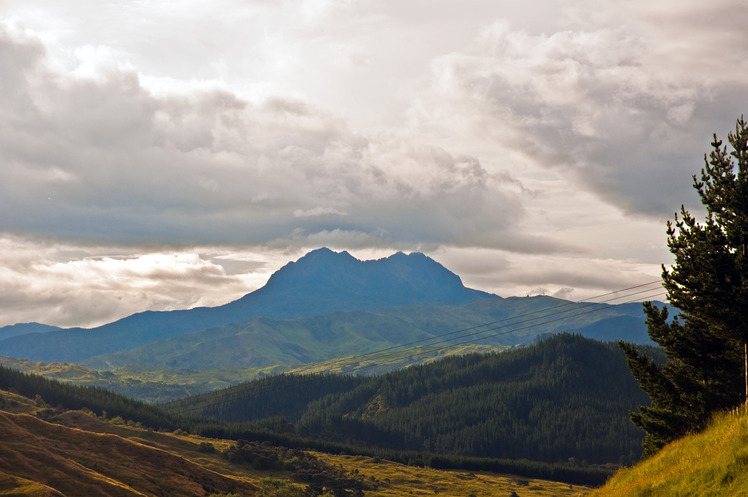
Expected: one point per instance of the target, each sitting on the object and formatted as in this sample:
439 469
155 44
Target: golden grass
79 462
399 480
13 486
713 463
94 454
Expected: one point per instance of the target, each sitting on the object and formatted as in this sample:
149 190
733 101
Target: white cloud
610 105
575 276
86 286
106 160
532 146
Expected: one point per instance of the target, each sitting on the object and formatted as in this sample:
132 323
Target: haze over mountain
264 342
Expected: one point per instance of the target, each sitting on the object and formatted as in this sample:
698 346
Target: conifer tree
706 369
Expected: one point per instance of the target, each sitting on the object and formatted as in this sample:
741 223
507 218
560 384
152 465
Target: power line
589 301
404 351
469 335
434 349
437 346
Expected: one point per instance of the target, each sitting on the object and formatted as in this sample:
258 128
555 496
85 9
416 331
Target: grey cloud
72 286
104 160
607 105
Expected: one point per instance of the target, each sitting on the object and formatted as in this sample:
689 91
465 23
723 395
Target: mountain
264 342
324 281
25 329
319 283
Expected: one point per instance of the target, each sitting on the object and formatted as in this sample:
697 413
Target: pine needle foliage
708 285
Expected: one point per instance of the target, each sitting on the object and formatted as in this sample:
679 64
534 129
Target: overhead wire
410 353
406 350
508 321
515 317
468 335
436 347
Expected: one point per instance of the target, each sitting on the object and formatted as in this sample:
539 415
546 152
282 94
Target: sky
167 155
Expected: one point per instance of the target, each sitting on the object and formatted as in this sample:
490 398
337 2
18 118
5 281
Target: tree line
273 431
565 398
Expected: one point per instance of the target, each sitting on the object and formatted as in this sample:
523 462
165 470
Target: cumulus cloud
69 285
518 143
621 108
103 159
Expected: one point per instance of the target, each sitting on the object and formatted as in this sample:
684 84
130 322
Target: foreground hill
40 458
566 398
80 454
709 464
319 283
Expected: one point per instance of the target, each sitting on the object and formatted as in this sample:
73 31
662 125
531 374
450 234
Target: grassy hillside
53 397
709 464
76 462
79 454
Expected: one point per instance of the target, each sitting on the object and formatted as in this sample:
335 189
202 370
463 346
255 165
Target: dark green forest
565 398
102 402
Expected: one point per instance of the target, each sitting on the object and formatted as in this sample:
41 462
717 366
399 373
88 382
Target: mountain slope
709 464
265 342
566 397
25 329
379 478
319 283
68 462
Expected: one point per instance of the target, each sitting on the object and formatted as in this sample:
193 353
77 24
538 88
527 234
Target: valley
391 365
85 454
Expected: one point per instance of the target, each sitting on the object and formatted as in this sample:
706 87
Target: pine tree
708 284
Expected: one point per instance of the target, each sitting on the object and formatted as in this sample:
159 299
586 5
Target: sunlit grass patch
713 463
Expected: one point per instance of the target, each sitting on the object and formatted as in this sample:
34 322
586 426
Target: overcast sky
164 155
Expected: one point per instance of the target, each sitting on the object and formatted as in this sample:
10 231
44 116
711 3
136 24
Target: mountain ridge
263 342
524 403
348 284
19 329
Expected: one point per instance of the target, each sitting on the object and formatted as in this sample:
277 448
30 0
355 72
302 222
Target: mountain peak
324 254
337 281
321 282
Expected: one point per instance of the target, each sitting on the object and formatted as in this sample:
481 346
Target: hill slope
265 342
567 397
710 464
25 329
54 460
319 283
380 478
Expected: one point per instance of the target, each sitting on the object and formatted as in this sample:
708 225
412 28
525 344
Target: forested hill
567 397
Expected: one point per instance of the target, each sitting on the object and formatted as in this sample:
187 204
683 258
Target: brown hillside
39 458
